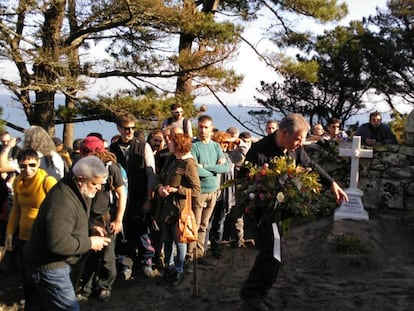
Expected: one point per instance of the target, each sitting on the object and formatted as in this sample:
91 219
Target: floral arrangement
280 185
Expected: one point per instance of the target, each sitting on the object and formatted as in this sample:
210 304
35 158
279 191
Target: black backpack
185 124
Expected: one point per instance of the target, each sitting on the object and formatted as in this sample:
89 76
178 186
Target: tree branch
229 112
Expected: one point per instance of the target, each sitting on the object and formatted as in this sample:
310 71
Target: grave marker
353 209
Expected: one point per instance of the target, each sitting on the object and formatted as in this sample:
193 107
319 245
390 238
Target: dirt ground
315 275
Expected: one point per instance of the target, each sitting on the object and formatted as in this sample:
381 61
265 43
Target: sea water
13 113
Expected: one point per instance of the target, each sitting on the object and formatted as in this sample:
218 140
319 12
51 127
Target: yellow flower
292 186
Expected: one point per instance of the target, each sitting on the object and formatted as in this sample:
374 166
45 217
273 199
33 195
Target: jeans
217 225
169 236
55 289
138 238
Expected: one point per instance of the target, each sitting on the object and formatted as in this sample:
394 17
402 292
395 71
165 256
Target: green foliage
139 39
328 84
389 50
323 10
348 243
397 124
304 70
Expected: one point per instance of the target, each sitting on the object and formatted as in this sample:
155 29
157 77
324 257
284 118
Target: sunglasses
24 166
177 112
132 128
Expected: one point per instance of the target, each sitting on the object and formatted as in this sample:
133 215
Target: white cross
355 153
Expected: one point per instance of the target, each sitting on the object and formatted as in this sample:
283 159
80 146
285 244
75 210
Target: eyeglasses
178 112
24 166
126 128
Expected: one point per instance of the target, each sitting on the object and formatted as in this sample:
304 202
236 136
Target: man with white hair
60 236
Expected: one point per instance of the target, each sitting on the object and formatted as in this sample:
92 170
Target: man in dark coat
287 140
60 236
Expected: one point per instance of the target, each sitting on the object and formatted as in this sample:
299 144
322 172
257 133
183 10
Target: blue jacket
382 134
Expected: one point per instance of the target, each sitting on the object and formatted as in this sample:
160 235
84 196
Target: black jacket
60 233
266 149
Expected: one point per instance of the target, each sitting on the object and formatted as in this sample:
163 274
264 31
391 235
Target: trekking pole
123 238
195 273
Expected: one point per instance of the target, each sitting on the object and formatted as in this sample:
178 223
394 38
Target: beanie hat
92 144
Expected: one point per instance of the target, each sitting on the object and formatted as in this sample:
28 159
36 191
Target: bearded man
61 235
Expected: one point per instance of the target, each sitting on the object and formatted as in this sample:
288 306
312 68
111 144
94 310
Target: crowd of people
372 133
74 220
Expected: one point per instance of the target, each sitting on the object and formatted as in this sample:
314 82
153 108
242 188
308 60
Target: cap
92 144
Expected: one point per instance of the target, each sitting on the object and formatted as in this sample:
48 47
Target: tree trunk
46 67
185 81
68 128
44 111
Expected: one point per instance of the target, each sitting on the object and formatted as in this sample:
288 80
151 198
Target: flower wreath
278 184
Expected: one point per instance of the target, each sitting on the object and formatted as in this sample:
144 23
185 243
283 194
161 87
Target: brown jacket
182 174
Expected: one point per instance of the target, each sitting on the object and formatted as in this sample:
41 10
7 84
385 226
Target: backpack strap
44 184
185 126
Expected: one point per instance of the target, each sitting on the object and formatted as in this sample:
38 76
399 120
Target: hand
99 242
370 141
115 226
12 142
163 191
8 243
340 194
171 189
221 161
99 231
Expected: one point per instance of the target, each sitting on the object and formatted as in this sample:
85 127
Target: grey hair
293 123
89 167
36 137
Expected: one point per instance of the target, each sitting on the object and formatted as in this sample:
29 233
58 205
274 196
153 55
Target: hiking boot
126 274
217 253
175 278
82 297
150 273
256 304
165 277
270 303
105 295
189 266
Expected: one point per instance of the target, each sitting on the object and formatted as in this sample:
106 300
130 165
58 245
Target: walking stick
195 273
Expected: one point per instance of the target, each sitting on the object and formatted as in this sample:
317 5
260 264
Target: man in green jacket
211 162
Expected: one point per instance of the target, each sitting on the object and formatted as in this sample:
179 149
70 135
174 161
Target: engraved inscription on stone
352 205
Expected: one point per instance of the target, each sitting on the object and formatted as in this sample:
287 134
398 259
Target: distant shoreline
220 117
